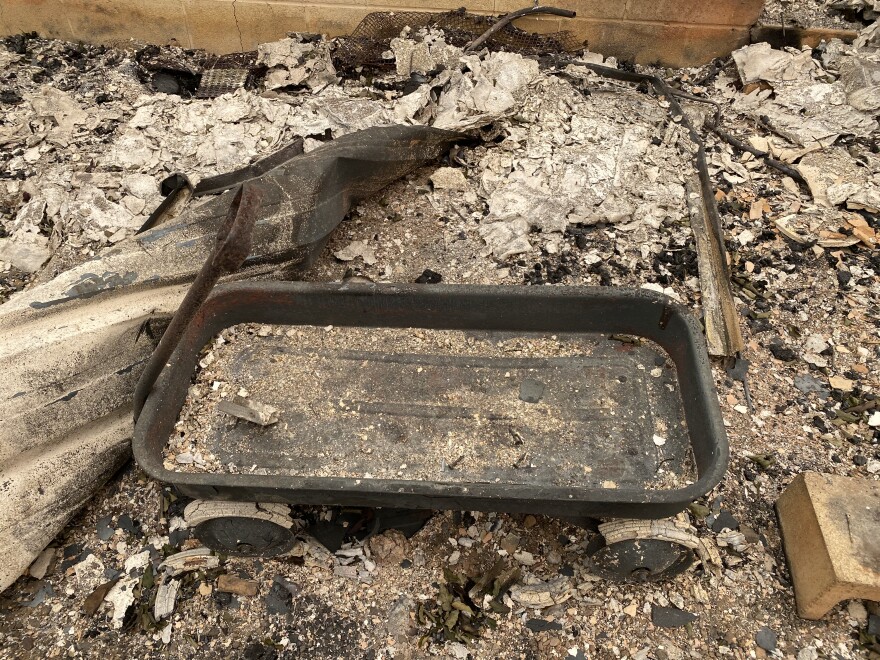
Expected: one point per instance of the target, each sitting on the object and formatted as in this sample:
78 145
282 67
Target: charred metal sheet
217 184
74 348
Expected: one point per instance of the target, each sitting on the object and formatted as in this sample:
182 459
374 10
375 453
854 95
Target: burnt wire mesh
372 37
216 82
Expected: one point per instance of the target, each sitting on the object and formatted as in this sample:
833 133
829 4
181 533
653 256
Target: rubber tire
245 537
638 560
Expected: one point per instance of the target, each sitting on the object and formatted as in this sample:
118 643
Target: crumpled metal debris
76 345
294 63
861 81
798 97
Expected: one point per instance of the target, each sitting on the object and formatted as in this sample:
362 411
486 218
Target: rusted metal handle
232 246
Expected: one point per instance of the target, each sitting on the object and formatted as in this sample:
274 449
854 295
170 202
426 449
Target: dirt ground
810 316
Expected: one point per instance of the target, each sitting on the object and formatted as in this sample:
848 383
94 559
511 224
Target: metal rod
512 16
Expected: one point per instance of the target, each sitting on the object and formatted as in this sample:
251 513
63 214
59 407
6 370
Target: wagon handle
231 247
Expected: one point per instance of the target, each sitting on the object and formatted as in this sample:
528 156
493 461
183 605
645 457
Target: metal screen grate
215 82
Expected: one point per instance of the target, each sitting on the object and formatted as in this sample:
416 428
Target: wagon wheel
645 550
242 528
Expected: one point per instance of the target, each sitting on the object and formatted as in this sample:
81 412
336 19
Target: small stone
724 520
509 543
531 391
860 460
542 625
808 384
397 621
874 419
357 249
815 344
841 383
390 547
449 178
252 411
671 617
857 611
205 589
750 534
766 638
89 572
874 625
631 610
530 521
525 558
700 511
429 276
40 567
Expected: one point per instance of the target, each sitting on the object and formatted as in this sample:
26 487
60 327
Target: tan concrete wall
670 32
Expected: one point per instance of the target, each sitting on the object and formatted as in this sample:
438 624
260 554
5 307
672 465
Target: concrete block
668 32
338 20
117 21
212 25
831 532
685 12
46 17
657 43
261 22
